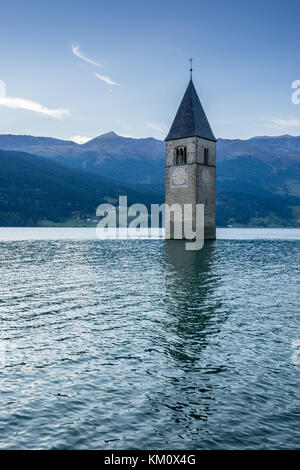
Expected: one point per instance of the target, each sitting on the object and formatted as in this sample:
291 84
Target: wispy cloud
155 126
126 126
105 79
80 139
78 53
21 103
284 123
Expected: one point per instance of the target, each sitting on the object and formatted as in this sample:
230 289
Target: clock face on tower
179 176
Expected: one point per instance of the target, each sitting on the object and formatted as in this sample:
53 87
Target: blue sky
58 59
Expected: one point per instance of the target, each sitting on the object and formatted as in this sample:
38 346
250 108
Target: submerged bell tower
191 160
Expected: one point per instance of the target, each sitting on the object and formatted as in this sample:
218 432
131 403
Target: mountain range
38 191
258 180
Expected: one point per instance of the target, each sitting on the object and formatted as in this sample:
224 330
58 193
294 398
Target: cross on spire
191 67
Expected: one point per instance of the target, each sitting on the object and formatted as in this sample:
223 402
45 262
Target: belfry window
180 156
206 155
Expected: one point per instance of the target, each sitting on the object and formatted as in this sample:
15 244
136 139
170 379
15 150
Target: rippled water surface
141 344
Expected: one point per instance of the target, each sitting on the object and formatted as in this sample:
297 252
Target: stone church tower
191 161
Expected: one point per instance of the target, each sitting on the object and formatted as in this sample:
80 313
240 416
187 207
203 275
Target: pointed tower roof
190 120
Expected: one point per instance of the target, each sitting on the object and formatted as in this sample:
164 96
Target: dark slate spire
190 120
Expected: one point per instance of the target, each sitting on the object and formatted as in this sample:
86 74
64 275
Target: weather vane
191 66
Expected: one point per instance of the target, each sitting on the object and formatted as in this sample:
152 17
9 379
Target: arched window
206 155
180 156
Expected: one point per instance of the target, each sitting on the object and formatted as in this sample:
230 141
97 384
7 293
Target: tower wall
206 186
201 180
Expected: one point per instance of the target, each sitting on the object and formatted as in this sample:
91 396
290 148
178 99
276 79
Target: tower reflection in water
193 319
191 285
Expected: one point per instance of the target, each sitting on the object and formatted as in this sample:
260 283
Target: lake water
142 345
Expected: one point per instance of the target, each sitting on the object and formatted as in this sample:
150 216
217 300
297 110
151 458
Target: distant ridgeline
46 181
38 191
